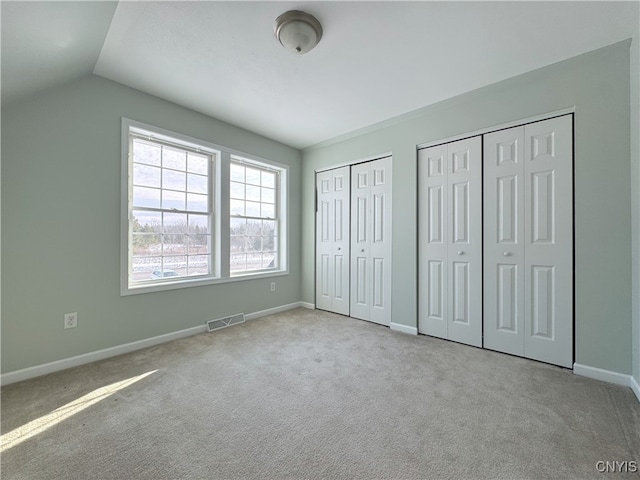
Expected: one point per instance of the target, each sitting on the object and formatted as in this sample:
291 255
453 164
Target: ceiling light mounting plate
297 31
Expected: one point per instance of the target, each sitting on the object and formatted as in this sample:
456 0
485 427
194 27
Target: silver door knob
507 254
460 252
339 248
362 251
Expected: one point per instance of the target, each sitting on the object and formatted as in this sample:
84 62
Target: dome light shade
297 31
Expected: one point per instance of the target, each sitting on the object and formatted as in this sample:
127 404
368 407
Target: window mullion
223 217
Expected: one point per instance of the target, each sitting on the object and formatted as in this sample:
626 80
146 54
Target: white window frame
220 228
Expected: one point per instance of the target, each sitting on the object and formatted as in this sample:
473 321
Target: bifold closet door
371 241
450 241
332 240
528 241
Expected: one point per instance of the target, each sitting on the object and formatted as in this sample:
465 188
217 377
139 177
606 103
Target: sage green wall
61 225
597 84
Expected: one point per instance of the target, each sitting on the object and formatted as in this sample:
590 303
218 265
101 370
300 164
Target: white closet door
332 241
528 276
371 241
433 247
450 230
548 238
503 241
464 185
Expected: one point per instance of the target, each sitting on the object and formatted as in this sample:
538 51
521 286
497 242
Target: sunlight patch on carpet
39 425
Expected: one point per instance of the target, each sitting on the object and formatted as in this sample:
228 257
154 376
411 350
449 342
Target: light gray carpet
308 394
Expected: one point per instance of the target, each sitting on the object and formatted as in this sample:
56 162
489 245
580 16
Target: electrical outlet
273 286
71 320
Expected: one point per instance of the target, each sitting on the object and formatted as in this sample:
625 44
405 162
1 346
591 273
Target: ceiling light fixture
297 31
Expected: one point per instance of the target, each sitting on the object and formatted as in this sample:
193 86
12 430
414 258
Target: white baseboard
271 311
398 327
603 375
58 365
635 387
310 306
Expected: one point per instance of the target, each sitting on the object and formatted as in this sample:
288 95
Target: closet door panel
360 241
548 238
332 240
341 195
464 249
503 241
324 241
433 241
380 244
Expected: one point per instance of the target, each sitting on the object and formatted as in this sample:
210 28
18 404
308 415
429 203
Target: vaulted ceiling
376 60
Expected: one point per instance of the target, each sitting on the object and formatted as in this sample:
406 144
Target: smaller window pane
268 179
253 209
146 176
253 193
238 226
174 244
237 173
268 227
253 176
268 195
269 260
146 197
198 244
197 184
173 266
142 267
198 264
146 244
173 200
146 222
268 243
196 202
254 244
237 190
268 210
254 261
175 223
254 227
238 262
237 244
236 207
197 163
144 152
174 158
174 180
198 224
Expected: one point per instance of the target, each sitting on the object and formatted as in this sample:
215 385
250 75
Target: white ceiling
376 60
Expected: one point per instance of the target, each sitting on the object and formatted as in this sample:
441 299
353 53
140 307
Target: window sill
197 282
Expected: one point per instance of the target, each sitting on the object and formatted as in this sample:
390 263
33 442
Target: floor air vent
225 322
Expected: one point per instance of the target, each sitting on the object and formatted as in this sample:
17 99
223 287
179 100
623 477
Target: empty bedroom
304 240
